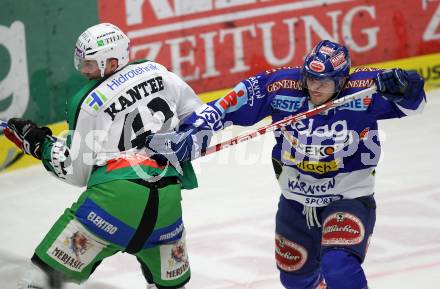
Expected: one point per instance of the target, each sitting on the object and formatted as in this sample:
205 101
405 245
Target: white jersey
113 118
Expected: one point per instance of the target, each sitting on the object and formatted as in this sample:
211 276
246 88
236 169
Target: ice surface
230 218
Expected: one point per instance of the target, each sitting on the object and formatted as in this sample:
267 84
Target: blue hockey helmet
328 61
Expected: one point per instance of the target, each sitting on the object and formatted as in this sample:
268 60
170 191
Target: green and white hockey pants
133 216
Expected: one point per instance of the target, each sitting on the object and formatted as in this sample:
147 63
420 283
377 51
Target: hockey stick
289 120
3 123
12 155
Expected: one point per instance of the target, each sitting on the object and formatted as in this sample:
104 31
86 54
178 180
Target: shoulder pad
94 101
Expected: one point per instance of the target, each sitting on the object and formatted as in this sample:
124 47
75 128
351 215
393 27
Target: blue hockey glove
397 84
177 146
27 136
392 83
169 146
190 141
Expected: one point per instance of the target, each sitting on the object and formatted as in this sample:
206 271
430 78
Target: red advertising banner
213 44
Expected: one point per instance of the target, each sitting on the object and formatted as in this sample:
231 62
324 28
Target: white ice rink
230 218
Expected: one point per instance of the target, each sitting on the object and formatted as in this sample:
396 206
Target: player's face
90 69
320 90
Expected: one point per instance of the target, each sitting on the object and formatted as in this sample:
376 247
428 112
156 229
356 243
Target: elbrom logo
14 88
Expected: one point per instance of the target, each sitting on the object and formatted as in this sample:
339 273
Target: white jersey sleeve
72 159
187 101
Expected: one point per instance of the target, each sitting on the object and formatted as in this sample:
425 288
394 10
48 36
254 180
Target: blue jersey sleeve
380 107
247 103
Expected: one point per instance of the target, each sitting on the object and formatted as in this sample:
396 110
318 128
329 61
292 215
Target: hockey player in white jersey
132 203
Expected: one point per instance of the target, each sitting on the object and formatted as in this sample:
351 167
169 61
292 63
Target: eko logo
319 151
16 82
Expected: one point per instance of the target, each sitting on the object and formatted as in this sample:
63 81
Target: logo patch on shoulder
342 228
234 100
96 100
289 256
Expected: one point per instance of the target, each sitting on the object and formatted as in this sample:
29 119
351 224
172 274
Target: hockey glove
177 146
169 146
27 136
190 141
392 83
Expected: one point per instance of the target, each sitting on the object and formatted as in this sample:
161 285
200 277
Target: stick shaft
289 120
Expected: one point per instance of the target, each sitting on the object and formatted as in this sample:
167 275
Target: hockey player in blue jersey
325 165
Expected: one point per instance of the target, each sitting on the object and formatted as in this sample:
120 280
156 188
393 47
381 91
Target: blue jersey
324 158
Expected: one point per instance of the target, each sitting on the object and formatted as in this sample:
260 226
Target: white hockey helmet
101 42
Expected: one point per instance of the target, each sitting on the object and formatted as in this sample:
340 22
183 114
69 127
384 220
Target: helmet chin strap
339 88
102 69
101 65
343 83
